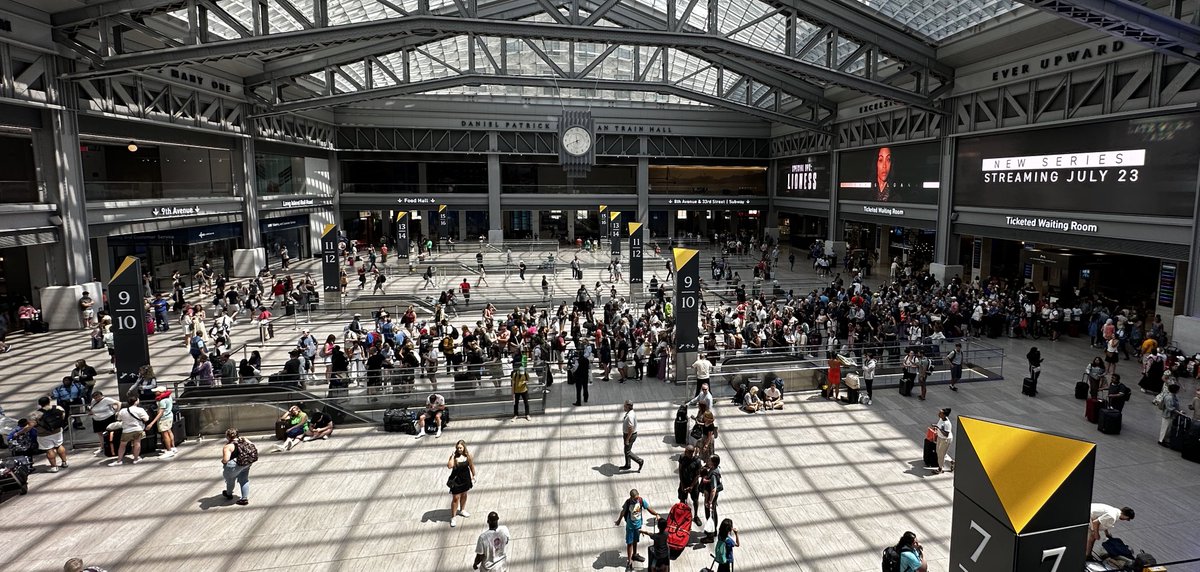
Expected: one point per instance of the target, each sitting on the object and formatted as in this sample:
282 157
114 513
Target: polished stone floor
818 486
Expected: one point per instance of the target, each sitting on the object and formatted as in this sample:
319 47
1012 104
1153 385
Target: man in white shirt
703 394
1103 519
102 410
629 431
703 369
491 550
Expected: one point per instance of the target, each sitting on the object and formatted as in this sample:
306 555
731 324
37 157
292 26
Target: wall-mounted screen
1144 166
804 177
890 174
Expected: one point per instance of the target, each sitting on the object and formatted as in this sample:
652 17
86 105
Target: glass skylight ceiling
937 20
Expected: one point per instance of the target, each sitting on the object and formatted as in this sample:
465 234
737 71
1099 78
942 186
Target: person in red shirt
466 292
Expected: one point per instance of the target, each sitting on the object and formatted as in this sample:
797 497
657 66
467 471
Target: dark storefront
184 250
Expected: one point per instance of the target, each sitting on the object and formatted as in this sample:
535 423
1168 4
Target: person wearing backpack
50 420
905 556
237 456
727 540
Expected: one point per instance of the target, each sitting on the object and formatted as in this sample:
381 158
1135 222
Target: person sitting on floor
754 403
320 426
297 422
433 409
772 398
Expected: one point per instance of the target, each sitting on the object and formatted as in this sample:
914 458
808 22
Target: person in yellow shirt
1148 345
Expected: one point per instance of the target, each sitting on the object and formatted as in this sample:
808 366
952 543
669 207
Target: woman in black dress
462 478
1152 378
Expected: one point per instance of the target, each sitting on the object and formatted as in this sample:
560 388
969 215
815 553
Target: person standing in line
164 419
629 431
462 478
868 374
236 457
703 369
689 478
712 485
945 436
50 420
102 410
670 270
955 359
133 427
1034 357
924 368
520 387
465 287
545 289
727 540
1168 404
491 550
578 375
631 513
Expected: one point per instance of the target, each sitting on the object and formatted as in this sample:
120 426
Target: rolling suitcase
851 395
1081 390
906 385
1191 445
1092 409
930 454
1181 427
1029 387
1109 421
681 425
281 428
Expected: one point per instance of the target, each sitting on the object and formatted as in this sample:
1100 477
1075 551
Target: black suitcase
112 440
1191 445
930 453
681 425
1029 387
906 386
399 421
38 327
851 395
1181 428
1081 390
281 428
1109 421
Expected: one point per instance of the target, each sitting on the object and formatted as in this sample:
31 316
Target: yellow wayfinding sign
683 256
1025 467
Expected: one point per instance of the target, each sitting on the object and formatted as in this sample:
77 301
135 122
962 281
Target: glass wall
403 177
551 179
18 181
708 180
130 172
279 175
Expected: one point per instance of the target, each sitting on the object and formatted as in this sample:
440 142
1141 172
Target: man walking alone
629 430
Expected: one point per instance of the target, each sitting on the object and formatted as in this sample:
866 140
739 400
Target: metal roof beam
419 87
99 10
1129 21
865 27
434 25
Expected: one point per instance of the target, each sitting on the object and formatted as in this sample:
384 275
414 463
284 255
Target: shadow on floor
216 501
609 559
608 470
917 468
436 515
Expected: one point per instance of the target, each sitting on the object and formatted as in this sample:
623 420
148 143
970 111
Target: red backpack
679 528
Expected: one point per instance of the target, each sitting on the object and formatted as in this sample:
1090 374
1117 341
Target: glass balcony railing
413 188
707 190
20 192
569 189
137 190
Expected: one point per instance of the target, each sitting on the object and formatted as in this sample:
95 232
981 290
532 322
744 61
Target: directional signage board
614 233
636 250
329 259
443 223
687 299
402 235
128 305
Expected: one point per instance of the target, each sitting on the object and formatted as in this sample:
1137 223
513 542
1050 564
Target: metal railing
135 190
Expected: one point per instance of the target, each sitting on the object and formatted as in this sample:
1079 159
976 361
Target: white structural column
249 260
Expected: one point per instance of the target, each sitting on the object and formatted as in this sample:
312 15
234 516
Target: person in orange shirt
835 377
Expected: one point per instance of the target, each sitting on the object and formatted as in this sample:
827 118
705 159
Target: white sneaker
420 434
453 522
137 460
174 451
169 453
438 434
116 463
97 452
55 470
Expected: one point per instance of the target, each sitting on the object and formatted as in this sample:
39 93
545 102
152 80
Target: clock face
576 141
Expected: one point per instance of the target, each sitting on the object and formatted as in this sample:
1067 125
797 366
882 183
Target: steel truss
849 50
1165 33
147 98
27 76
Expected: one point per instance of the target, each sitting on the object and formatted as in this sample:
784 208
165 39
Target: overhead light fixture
132 147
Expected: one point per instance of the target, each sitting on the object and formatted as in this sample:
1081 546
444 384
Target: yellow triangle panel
683 256
612 215
1025 467
441 208
328 228
125 264
401 215
603 208
634 227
